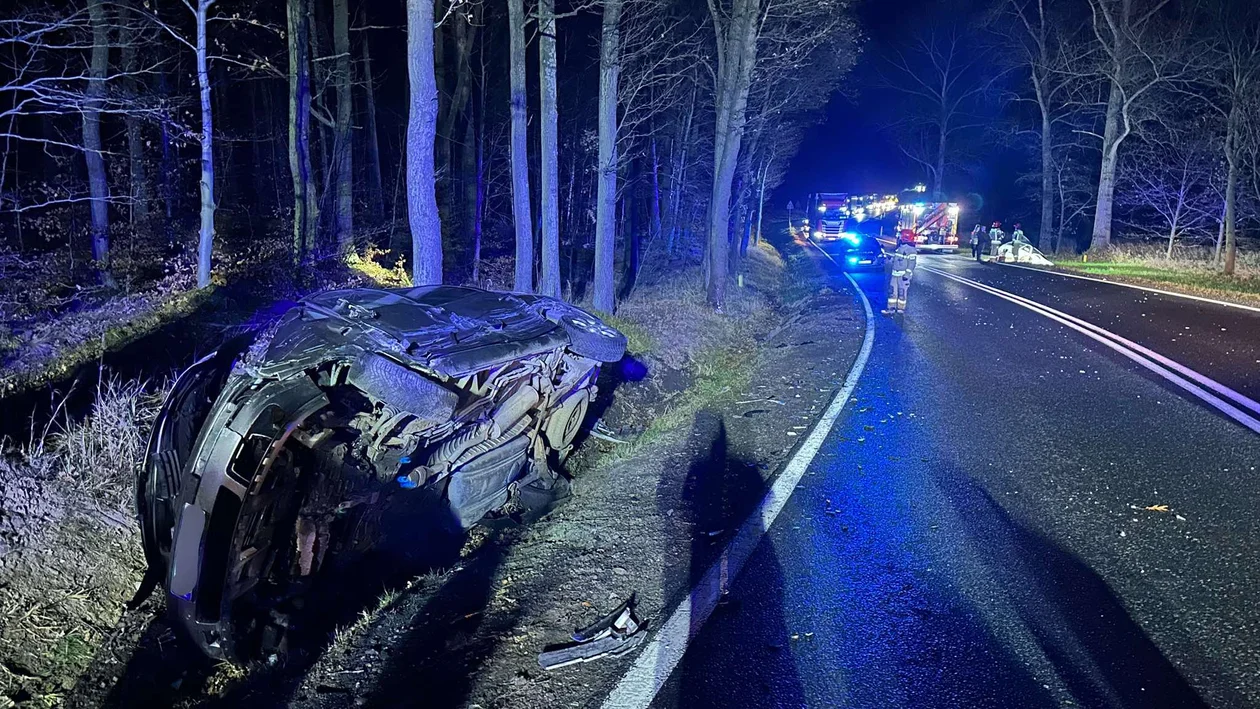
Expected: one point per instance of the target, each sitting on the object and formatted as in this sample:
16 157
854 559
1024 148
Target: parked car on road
271 459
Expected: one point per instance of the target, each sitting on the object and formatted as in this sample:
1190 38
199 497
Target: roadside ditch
708 411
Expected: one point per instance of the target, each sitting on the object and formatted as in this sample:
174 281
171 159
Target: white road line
1174 372
1174 294
1236 397
638 687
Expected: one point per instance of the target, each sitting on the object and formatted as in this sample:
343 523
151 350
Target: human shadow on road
721 490
1102 654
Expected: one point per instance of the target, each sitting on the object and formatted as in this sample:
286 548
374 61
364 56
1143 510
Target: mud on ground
707 430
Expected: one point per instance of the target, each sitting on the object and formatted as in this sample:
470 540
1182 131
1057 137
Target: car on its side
277 456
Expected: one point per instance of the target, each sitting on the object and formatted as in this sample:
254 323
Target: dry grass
716 349
1190 269
73 553
54 347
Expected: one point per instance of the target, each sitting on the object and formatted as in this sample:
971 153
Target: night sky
851 150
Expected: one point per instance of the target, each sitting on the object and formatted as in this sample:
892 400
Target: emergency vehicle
934 224
828 213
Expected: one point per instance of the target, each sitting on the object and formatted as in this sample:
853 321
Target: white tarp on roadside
1021 252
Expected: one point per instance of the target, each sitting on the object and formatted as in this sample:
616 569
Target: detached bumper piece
613 635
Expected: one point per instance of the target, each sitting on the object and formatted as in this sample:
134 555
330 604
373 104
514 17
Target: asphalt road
975 531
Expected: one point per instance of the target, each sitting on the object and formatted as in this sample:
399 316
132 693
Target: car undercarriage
276 459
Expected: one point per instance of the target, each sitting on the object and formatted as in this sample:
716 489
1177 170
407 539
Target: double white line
1242 409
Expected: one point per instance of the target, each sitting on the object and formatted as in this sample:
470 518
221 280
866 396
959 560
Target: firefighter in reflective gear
996 237
1017 235
903 261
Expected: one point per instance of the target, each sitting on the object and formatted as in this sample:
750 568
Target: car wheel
591 338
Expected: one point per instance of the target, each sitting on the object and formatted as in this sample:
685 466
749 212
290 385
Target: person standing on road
904 258
977 237
996 237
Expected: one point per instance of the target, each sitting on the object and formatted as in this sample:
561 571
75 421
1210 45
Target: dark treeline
562 148
1130 117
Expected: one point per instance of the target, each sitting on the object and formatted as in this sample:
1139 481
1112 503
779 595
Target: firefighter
1017 234
996 238
903 261
977 237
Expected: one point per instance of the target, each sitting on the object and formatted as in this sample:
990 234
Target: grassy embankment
70 552
1188 271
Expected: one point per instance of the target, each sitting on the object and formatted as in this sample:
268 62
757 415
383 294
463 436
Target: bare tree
790 31
343 149
1041 54
606 196
422 209
1230 76
549 159
524 272
1166 181
940 79
93 150
1136 55
305 201
376 188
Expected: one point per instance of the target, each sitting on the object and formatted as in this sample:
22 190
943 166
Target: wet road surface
1008 515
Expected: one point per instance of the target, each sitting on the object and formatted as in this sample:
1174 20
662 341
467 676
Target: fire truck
934 224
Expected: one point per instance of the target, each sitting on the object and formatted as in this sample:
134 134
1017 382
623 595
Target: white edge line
1224 407
638 687
1237 397
1161 291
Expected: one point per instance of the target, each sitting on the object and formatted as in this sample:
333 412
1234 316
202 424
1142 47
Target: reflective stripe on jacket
904 260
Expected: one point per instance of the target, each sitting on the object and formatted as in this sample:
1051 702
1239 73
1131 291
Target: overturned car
271 459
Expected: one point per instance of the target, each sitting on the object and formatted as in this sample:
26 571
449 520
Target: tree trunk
524 272
377 188
655 203
344 148
322 181
480 174
938 179
205 238
606 188
1047 183
439 72
678 178
737 54
1231 192
422 209
93 151
1107 174
465 36
549 198
305 204
141 191
1231 219
761 198
170 168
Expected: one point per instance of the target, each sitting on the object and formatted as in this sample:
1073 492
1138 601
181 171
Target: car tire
589 337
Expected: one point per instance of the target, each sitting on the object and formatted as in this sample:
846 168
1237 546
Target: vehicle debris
285 455
613 635
603 433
